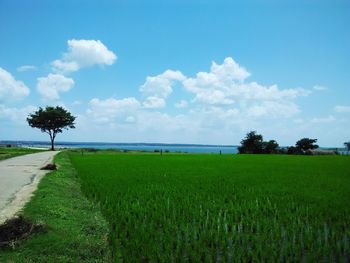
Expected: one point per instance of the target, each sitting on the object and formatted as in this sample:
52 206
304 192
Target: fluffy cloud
154 102
220 98
272 109
10 88
226 84
16 115
113 110
49 87
229 70
342 109
83 53
161 85
217 105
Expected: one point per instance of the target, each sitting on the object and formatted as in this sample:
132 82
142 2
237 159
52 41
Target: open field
175 208
9 152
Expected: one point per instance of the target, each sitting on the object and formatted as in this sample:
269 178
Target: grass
9 152
176 208
76 230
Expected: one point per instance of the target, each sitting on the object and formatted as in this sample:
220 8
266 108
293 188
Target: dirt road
19 177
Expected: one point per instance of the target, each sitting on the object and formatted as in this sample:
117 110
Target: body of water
151 147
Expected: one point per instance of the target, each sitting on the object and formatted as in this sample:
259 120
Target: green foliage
51 120
270 146
303 146
76 230
221 208
306 144
253 143
293 150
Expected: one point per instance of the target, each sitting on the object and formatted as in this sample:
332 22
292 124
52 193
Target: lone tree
306 144
51 120
252 143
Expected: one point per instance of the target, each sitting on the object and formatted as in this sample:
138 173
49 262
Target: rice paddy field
221 208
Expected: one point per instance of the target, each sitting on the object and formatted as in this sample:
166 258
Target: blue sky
178 71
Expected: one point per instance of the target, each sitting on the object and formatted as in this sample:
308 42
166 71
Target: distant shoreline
149 147
140 146
113 143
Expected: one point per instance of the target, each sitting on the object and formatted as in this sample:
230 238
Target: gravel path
19 177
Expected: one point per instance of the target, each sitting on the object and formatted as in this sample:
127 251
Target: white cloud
154 102
342 109
273 109
16 115
319 88
49 87
161 85
222 101
83 53
113 110
26 68
229 70
220 106
181 104
225 85
10 88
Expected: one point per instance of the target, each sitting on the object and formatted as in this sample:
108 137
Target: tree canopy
270 146
306 144
51 120
254 143
303 146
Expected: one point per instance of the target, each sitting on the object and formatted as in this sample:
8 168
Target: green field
221 208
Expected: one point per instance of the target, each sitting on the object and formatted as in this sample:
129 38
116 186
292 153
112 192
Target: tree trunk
52 144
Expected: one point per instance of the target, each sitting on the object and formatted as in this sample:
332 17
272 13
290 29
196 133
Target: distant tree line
254 143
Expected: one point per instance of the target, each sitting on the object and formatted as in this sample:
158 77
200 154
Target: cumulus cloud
49 87
342 109
83 53
273 109
154 102
225 84
113 110
161 85
229 70
16 115
10 88
26 68
223 102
